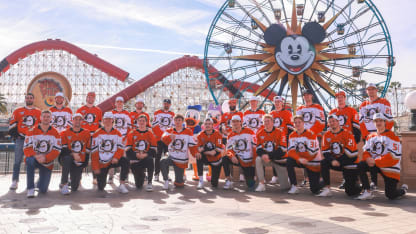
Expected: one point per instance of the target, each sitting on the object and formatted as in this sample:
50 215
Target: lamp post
410 102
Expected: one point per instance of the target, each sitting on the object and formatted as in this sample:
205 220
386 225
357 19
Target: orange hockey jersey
243 146
210 142
22 120
134 115
140 141
92 118
77 142
47 143
348 119
305 145
61 118
162 120
253 119
269 142
283 120
340 146
122 121
367 111
178 148
105 147
313 116
225 123
386 149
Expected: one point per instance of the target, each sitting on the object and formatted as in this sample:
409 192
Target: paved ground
199 211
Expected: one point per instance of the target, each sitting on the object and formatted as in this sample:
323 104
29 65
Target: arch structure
84 71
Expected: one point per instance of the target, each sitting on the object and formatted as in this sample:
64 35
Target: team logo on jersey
240 145
209 146
141 145
107 146
253 122
378 148
300 147
370 113
307 117
336 148
342 120
165 121
178 144
76 146
277 122
60 121
29 121
119 122
269 146
43 146
89 118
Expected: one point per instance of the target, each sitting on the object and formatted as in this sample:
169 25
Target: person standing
61 114
75 147
134 115
22 120
253 118
42 146
162 120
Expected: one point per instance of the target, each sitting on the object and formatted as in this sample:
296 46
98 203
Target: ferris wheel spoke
376 71
355 45
355 32
236 35
261 11
258 22
350 21
284 10
314 9
239 23
244 48
238 68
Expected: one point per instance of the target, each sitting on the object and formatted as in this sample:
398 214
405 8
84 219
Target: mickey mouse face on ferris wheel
295 53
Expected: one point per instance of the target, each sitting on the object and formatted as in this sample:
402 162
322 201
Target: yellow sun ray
272 78
320 67
300 78
275 67
322 46
270 49
282 74
294 18
260 24
266 68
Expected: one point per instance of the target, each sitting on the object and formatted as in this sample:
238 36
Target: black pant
350 175
313 176
161 149
248 172
71 169
139 168
102 177
390 184
216 169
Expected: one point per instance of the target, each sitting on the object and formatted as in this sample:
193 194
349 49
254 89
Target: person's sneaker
261 188
273 180
228 184
200 185
149 187
156 178
166 185
122 188
65 189
373 187
31 193
326 192
342 185
242 179
365 196
304 183
293 190
405 187
14 185
110 180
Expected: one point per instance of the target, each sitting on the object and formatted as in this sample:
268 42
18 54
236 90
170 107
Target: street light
410 102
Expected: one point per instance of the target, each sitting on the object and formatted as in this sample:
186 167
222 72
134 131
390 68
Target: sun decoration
295 52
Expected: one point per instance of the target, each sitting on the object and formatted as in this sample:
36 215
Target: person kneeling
210 151
140 151
75 144
340 154
382 154
240 152
179 140
271 151
303 153
107 152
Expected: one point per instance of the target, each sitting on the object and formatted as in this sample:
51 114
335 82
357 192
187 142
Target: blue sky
140 36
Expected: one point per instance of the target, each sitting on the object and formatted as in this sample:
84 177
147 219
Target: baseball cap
371 85
333 116
140 100
119 99
236 118
167 101
59 94
378 116
108 115
341 93
77 115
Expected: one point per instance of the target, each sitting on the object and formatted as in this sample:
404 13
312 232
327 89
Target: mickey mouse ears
313 31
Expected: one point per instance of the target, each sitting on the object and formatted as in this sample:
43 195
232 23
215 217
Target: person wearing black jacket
340 153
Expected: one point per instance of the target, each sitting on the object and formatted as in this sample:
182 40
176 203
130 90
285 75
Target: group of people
251 141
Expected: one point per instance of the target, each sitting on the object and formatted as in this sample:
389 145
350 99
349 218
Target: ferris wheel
281 47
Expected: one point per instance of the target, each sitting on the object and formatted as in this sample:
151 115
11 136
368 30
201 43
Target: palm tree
3 104
393 88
